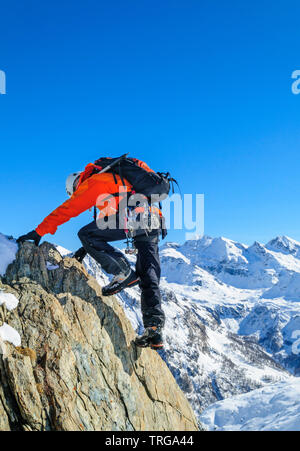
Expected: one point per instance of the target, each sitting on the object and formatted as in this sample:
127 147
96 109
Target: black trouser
95 242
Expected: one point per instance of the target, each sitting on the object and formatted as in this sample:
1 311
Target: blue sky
200 88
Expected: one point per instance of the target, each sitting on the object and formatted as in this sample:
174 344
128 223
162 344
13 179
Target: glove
80 254
31 236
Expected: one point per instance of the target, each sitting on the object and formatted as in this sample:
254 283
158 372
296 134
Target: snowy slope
233 313
254 291
225 332
8 249
272 408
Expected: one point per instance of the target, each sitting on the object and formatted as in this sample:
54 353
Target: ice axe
113 163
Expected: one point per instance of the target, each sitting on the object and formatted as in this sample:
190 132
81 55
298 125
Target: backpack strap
120 173
170 179
114 176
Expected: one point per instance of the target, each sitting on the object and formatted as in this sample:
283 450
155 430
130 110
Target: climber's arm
83 199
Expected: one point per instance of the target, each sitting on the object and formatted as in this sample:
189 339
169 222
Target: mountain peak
284 244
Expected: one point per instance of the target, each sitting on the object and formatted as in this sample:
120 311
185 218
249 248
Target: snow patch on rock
9 300
8 333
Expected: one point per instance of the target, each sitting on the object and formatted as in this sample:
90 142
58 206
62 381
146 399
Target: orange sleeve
83 199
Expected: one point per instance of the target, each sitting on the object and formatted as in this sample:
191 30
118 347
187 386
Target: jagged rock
77 368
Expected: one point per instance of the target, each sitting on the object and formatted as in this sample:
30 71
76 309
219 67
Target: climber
106 184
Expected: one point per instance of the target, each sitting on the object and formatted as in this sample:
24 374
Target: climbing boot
152 337
119 282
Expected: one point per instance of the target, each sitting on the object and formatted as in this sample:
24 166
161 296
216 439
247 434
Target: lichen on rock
77 367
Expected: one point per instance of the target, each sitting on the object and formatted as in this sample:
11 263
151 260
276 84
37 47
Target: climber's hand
31 236
80 254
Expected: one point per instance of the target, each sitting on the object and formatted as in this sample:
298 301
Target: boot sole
160 346
150 345
129 285
155 347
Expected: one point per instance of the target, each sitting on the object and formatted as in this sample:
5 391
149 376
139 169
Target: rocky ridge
76 367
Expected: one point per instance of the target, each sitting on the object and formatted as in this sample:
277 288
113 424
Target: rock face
77 368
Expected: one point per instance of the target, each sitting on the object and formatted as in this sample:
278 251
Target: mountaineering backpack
143 179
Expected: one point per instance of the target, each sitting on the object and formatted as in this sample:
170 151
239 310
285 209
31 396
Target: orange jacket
90 193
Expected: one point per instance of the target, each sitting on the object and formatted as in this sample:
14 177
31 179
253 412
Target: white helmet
71 182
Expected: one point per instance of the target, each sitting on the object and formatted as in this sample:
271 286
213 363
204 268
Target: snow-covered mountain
275 407
253 290
232 311
233 315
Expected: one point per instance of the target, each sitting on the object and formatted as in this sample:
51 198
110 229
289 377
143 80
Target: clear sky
200 88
